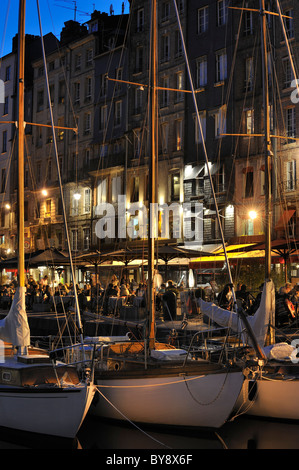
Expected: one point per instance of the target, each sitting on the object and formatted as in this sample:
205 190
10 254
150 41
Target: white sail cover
258 322
14 327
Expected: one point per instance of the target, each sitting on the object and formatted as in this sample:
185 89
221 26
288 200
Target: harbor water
105 436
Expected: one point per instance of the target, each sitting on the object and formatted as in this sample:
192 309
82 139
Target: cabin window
6 376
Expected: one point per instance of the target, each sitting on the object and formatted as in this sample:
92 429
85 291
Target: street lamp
252 214
77 196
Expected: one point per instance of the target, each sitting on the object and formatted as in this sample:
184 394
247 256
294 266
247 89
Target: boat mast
240 312
268 155
267 144
20 148
152 175
77 307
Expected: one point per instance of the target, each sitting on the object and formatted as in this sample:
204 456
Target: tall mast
268 153
20 149
152 175
267 143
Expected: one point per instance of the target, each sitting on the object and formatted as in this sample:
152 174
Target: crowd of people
286 301
91 297
96 297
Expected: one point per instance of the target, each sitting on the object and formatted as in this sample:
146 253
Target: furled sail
14 327
258 322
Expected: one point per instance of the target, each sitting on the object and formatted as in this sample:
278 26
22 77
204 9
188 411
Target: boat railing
204 346
81 355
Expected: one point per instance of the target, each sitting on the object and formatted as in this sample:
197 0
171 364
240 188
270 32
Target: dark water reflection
243 433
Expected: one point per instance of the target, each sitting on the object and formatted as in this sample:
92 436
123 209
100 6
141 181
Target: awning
284 219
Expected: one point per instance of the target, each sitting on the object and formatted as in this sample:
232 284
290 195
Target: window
249 227
102 191
135 189
221 12
75 206
52 94
86 238
77 92
179 134
87 158
87 200
49 133
202 19
175 187
116 188
288 73
3 180
249 121
249 74
88 89
198 134
179 86
289 23
77 61
248 183
49 170
218 180
137 143
5 105
103 117
165 11
118 113
248 23
61 92
48 204
164 136
178 44
139 60
221 66
118 76
103 84
165 48
7 73
140 20
38 171
4 141
201 72
138 100
291 122
74 240
40 100
165 92
220 121
87 123
88 57
291 175
60 123
180 5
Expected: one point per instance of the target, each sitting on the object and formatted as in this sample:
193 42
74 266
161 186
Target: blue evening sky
53 14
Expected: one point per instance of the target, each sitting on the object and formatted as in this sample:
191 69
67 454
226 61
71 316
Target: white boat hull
190 401
276 399
58 412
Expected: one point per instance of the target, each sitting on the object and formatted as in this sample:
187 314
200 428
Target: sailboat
155 383
38 393
270 388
